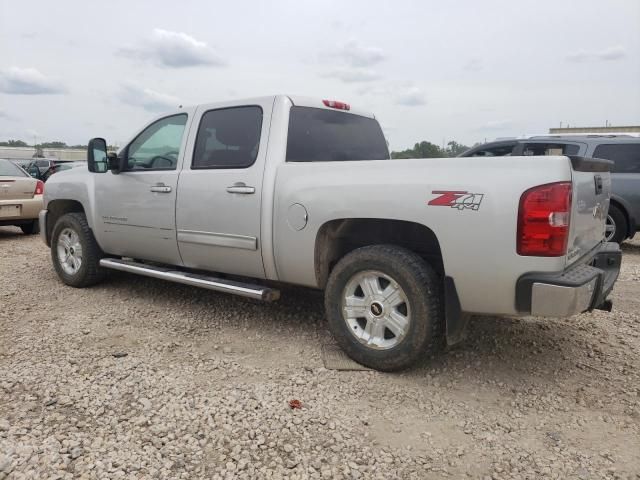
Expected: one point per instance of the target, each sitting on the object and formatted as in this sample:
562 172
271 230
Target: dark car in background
42 169
623 219
59 167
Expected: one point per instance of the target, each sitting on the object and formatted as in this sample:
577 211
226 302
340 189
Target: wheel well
58 208
620 207
338 237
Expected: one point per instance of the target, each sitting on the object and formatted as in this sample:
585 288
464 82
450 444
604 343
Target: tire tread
92 253
425 280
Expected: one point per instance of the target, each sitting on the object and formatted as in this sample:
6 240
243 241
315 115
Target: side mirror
97 155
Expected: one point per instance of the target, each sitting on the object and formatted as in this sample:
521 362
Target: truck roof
298 100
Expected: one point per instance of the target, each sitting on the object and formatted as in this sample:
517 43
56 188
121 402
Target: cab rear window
319 135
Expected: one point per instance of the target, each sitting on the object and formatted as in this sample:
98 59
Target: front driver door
136 208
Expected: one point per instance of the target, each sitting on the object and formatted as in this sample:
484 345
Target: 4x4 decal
456 199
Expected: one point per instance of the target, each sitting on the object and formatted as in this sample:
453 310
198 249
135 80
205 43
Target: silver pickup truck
244 196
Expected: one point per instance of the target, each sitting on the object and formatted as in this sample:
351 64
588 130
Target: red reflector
543 220
39 188
336 104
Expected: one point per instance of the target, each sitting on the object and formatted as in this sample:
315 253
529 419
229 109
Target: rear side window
550 149
318 135
228 138
625 156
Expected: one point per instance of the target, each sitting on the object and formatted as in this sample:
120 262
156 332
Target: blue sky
465 70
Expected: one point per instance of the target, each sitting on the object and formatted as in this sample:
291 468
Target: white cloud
411 97
146 98
493 125
578 57
353 60
473 65
173 50
608 54
612 53
28 81
355 54
353 75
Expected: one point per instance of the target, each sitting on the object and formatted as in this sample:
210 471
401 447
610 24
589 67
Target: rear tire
617 226
30 228
75 252
384 306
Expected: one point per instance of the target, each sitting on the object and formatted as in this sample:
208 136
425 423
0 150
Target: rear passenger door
219 201
625 173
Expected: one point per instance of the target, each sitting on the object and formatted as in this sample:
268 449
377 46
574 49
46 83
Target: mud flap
456 319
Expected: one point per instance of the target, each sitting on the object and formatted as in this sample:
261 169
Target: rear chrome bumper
578 289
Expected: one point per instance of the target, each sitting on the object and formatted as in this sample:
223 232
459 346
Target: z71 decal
456 199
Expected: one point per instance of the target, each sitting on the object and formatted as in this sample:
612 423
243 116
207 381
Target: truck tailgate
591 193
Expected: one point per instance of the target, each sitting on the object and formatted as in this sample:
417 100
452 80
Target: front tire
74 251
384 307
616 225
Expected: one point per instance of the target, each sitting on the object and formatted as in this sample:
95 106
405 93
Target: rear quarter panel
478 246
625 188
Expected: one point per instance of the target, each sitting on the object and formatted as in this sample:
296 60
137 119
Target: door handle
240 187
160 188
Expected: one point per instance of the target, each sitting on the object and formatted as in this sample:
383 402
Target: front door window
158 146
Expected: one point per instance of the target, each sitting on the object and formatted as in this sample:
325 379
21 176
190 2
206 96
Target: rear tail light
543 220
39 188
336 104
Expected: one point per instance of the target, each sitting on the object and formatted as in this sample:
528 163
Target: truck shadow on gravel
501 350
10 233
512 351
629 248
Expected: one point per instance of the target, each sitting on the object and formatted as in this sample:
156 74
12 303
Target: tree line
422 149
426 149
55 144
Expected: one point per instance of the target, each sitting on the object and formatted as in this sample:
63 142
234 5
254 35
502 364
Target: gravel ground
138 378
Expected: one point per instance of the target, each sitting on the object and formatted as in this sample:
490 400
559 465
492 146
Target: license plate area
10 210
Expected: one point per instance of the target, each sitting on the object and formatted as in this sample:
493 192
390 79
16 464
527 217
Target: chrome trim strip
220 285
218 239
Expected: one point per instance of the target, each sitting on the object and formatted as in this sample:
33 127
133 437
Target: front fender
75 185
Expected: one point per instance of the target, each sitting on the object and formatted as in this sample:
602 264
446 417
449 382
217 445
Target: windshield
8 169
319 135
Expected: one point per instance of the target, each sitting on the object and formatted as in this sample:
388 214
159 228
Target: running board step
196 280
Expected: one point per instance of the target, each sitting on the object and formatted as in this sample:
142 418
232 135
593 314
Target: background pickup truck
301 191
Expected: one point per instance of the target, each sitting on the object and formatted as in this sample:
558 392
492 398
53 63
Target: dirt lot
138 378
